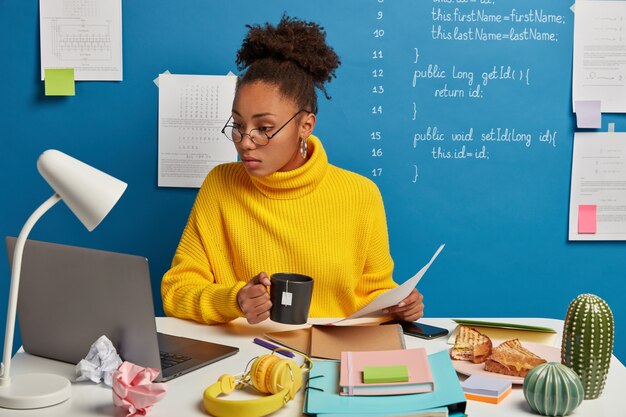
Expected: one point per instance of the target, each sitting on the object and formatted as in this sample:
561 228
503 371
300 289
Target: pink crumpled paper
133 389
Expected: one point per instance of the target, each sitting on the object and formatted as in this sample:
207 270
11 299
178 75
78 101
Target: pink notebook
351 374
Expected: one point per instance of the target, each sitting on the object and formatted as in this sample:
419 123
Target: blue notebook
325 376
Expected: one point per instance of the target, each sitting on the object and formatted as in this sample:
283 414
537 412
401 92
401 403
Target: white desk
185 393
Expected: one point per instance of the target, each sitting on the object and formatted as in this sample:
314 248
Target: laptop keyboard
170 359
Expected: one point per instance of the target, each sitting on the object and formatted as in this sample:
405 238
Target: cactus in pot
587 342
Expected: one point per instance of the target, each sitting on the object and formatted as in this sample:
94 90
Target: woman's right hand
254 299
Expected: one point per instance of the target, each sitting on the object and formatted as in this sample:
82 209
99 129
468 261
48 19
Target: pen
270 346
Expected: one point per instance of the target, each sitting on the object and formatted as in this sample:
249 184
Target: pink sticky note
587 218
588 114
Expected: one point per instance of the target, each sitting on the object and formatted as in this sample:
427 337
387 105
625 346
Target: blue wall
502 212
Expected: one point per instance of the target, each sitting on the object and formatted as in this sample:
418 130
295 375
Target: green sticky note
380 374
59 81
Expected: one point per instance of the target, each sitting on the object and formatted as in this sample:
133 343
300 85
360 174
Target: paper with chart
192 112
391 297
599 71
598 191
82 34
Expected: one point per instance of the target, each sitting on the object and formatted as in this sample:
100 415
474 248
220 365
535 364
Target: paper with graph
82 34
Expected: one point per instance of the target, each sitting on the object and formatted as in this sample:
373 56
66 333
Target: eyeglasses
258 135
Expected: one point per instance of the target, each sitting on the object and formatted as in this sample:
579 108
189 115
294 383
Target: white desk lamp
90 194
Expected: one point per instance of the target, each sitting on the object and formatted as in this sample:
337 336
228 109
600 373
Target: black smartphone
424 331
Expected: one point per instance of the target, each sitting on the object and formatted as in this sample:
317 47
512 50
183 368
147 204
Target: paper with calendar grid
192 112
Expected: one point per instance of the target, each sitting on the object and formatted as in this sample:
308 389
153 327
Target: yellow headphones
268 374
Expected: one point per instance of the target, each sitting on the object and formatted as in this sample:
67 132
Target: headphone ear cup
261 370
286 374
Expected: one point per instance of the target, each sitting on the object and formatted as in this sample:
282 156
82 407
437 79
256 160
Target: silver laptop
70 296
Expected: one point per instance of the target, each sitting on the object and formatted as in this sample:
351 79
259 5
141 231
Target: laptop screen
69 296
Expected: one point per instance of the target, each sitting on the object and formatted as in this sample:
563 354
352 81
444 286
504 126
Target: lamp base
35 391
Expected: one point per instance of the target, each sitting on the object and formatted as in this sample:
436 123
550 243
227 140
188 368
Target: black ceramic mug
291 297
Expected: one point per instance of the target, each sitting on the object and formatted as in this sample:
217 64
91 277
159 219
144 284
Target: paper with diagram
599 72
82 34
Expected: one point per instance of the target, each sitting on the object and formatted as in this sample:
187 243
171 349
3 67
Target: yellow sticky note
59 81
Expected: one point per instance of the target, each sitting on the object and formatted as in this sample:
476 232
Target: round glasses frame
256 135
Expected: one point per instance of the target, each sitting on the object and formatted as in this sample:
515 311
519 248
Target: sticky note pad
587 219
380 374
59 81
484 385
588 114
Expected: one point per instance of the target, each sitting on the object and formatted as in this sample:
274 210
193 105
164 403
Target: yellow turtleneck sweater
317 220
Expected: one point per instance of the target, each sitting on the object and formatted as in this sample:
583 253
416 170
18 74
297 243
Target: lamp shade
88 192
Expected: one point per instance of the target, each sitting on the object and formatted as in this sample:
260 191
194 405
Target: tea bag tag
286 298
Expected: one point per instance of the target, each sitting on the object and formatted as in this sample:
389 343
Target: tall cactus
588 342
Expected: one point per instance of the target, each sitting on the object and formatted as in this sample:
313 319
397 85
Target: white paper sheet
82 34
599 178
192 111
389 298
599 71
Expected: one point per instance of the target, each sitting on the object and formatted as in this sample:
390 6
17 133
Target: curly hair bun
298 41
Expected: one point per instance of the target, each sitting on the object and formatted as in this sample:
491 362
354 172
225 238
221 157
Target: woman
283 207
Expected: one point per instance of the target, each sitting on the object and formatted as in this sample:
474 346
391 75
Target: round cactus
588 342
552 389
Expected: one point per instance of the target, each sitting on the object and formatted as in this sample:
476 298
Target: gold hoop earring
304 148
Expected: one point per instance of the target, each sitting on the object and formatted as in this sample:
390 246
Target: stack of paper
323 398
486 389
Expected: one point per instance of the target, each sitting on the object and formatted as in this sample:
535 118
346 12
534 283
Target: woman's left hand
409 309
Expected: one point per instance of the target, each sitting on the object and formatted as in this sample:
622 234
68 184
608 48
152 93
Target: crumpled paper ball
133 389
101 361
